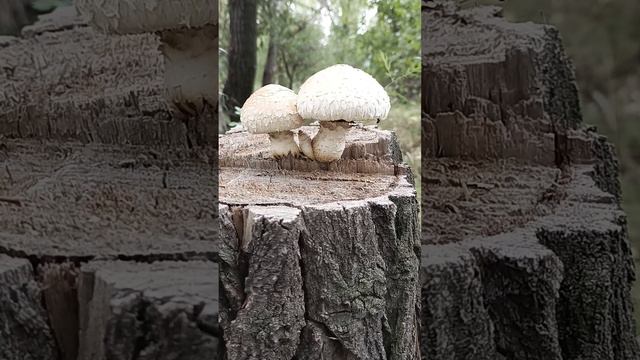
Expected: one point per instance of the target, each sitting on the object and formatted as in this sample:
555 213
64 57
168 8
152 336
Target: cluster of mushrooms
336 97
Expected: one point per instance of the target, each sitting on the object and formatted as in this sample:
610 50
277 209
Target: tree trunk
318 261
133 310
242 53
271 65
523 256
24 327
94 166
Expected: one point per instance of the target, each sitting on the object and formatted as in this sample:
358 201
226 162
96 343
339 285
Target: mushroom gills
283 144
190 57
329 142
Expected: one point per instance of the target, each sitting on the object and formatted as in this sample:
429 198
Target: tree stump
525 252
109 197
67 81
164 310
24 333
318 261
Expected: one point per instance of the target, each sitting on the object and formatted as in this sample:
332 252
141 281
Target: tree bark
323 257
524 256
25 333
270 74
100 170
78 90
148 311
242 53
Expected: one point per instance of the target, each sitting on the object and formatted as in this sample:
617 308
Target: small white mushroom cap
272 108
132 17
342 92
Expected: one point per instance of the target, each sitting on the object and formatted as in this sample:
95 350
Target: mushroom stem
283 144
329 142
304 142
191 58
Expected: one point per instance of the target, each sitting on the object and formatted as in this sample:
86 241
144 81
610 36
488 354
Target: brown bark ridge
25 333
242 58
318 261
108 205
66 81
525 253
165 310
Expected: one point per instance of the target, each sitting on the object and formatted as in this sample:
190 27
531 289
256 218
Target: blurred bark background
14 14
242 55
601 37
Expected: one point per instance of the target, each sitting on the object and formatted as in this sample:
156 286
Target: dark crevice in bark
143 330
238 214
211 329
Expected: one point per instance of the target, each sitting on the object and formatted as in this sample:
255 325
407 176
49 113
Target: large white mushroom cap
139 16
342 92
271 108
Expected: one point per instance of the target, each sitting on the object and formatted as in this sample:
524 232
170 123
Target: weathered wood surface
25 333
318 263
67 81
94 167
59 288
163 310
60 19
510 87
367 150
525 250
68 201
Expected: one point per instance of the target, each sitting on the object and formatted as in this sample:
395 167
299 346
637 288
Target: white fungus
272 110
336 96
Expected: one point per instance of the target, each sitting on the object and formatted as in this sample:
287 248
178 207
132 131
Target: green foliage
380 37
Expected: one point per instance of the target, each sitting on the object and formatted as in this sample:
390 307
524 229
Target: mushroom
272 110
337 96
188 33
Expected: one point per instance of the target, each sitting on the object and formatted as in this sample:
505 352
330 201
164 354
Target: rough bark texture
61 298
510 87
272 314
368 150
71 201
25 333
165 310
525 252
66 81
94 166
328 260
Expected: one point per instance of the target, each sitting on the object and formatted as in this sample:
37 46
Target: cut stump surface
525 250
323 256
